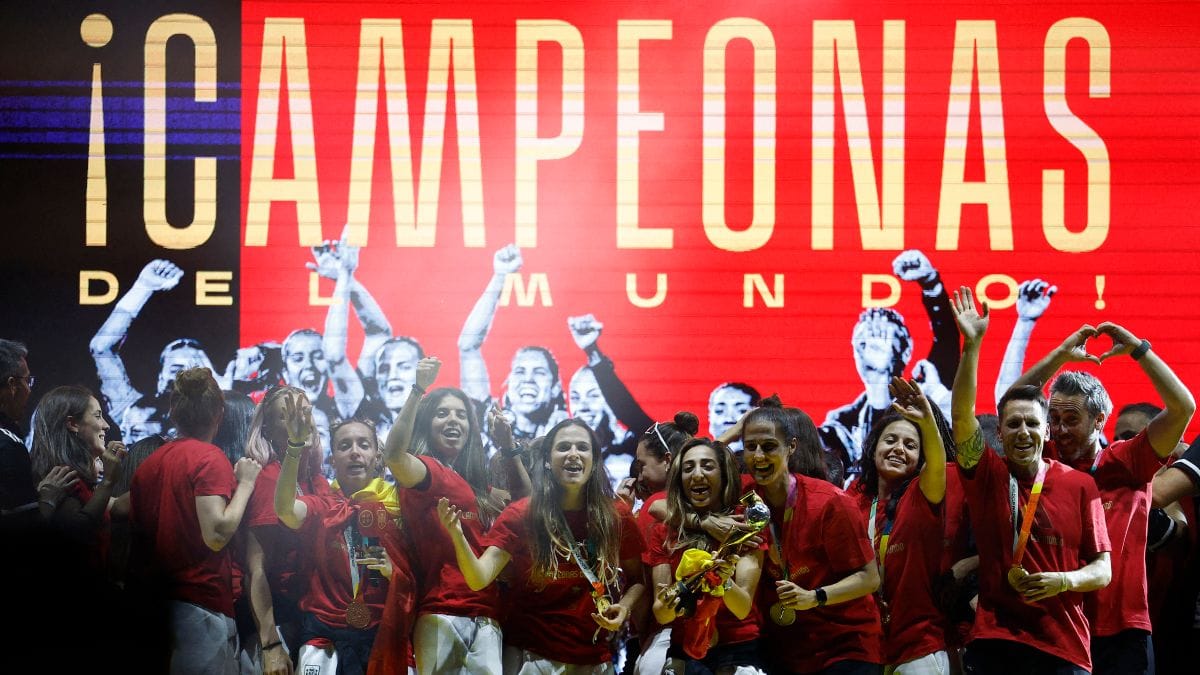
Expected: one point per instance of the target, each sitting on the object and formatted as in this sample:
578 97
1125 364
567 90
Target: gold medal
602 603
358 615
781 615
1015 574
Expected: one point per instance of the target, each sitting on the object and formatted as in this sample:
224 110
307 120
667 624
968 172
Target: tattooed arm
972 323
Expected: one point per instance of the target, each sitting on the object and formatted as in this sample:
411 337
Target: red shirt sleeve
213 476
1094 539
844 535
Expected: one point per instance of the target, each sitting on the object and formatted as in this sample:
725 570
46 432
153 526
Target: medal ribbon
353 542
1035 494
598 590
883 539
776 540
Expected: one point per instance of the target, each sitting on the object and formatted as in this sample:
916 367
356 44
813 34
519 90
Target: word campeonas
416 169
381 72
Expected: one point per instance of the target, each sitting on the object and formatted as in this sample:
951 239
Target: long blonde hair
259 448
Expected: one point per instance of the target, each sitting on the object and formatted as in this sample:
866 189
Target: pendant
1015 574
781 615
358 615
885 613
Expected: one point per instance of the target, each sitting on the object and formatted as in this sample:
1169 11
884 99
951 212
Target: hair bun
687 422
193 382
772 401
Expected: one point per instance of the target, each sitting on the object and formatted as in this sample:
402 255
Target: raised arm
915 407
219 520
474 373
913 265
409 470
1033 297
586 332
1167 427
298 420
347 386
376 329
500 433
157 275
479 571
972 323
1072 350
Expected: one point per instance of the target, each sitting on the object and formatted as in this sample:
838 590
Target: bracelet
1064 582
418 388
297 444
47 502
1140 350
273 645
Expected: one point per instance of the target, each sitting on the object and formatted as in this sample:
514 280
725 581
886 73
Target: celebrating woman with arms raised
569 547
906 526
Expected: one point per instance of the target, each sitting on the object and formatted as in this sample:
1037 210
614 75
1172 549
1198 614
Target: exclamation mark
1100 304
96 30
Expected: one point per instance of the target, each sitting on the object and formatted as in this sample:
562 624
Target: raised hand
328 262
159 275
972 322
53 488
297 418
1033 297
500 429
507 260
347 252
1123 341
912 265
585 330
427 371
111 457
910 402
1074 348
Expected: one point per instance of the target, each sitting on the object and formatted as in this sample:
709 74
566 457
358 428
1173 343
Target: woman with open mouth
907 526
570 547
435 450
353 531
821 564
715 622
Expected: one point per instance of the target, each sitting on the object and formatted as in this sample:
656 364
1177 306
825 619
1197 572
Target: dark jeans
1004 657
1129 652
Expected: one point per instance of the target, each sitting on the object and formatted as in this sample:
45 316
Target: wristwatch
822 598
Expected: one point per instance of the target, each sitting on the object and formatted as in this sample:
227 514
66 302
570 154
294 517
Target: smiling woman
567 540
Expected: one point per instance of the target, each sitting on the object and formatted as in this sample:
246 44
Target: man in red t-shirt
1039 526
1079 408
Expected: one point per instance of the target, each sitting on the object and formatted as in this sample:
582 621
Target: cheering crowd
298 513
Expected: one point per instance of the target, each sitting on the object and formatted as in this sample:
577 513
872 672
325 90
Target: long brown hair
471 462
678 506
548 524
53 443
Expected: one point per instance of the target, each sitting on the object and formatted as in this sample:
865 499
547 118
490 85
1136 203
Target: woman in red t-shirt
68 430
276 562
352 534
907 526
569 547
821 612
435 450
704 480
186 504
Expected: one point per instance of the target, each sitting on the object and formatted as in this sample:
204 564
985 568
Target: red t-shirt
729 628
552 617
911 564
1068 530
442 588
286 558
824 539
1123 475
646 523
99 547
325 531
167 539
